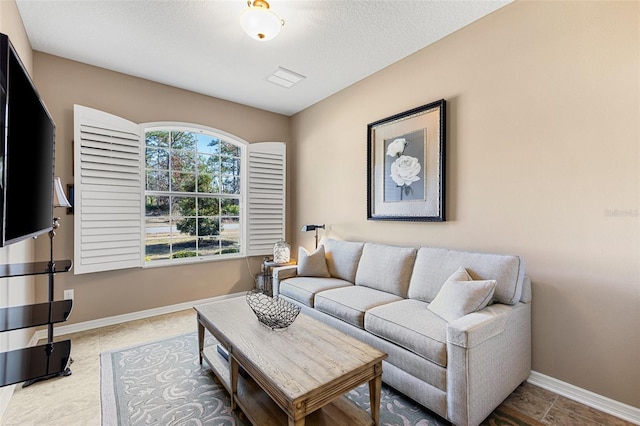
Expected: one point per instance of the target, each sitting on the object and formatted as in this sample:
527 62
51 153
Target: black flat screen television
27 146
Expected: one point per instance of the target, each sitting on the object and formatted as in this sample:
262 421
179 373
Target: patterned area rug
162 383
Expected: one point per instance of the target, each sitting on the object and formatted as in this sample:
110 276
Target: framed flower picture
406 165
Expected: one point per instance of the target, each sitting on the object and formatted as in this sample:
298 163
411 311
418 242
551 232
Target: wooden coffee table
293 375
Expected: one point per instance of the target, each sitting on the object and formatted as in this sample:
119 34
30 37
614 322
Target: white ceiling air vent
285 78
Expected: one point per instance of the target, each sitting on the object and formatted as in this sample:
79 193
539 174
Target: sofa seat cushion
350 303
408 323
304 289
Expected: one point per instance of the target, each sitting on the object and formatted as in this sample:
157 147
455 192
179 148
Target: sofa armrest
282 273
525 297
477 327
488 356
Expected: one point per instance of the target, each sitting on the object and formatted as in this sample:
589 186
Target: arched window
159 194
193 193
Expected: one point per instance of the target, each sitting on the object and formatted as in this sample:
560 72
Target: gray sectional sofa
456 325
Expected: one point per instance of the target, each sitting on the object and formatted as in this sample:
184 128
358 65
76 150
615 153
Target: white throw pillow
312 264
460 295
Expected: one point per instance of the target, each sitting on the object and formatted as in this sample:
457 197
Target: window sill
192 260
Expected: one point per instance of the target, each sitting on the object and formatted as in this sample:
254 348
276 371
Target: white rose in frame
396 147
405 170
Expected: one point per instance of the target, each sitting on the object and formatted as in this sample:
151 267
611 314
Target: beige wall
542 160
63 83
11 25
542 157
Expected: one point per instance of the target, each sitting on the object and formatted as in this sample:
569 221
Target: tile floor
75 400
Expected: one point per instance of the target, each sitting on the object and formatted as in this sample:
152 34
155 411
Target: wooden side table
267 279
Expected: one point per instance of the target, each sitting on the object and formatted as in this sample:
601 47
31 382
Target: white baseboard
583 396
119 319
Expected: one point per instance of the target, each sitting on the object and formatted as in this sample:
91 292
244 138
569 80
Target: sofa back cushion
386 268
342 258
434 265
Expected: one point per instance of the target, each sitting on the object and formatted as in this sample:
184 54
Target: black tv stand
39 362
66 372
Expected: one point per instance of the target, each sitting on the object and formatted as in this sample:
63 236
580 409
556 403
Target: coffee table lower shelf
260 409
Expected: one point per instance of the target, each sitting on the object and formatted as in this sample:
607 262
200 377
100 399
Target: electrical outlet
68 294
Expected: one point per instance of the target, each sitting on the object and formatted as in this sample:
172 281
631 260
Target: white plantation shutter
265 196
108 192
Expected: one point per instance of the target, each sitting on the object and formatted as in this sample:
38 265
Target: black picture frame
406 165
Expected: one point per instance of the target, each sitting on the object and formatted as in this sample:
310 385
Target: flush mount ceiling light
260 22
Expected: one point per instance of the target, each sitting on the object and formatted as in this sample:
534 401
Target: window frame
109 194
244 175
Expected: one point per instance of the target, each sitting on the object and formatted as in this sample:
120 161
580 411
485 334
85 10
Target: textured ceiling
199 45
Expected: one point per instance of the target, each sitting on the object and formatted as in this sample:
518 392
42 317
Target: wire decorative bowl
274 312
